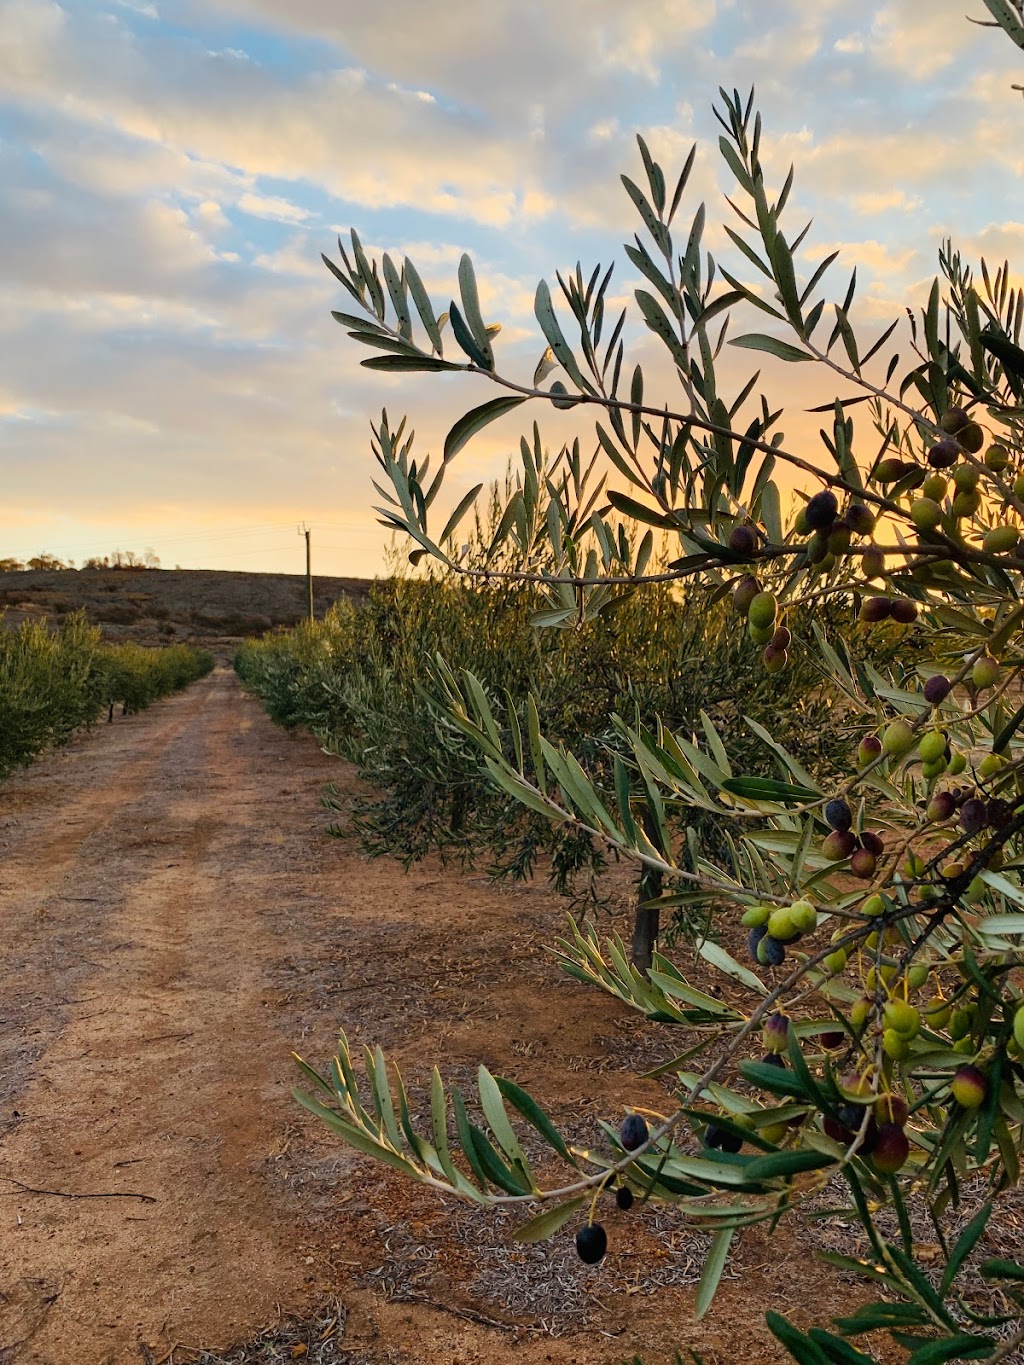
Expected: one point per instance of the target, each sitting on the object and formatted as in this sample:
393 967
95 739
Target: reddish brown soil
176 921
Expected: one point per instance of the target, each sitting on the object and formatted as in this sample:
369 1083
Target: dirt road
174 922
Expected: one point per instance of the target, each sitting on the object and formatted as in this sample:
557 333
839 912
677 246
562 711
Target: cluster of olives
591 1239
884 1139
761 611
880 1119
830 535
975 812
863 850
771 928
940 505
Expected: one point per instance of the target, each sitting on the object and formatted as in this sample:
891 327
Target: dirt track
174 923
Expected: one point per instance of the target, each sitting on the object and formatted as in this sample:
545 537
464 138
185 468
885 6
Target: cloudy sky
170 171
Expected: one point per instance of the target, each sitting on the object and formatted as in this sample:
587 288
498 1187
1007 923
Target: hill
202 606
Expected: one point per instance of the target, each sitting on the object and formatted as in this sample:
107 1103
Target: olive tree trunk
647 922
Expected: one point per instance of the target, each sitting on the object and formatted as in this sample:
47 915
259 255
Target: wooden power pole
305 531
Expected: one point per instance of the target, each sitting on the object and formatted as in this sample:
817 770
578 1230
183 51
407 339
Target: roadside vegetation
53 682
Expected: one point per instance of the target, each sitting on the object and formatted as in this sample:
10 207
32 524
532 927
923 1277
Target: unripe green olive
782 926
997 457
935 487
895 1045
985 672
966 478
937 1012
1000 540
932 746
755 915
925 514
898 738
966 504
836 962
763 610
904 1019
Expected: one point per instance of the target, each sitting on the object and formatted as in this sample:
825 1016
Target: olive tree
877 1055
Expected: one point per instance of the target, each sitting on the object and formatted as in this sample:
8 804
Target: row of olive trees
53 682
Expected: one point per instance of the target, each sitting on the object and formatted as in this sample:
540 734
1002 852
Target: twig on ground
67 1194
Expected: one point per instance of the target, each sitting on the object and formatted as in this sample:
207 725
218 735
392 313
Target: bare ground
175 922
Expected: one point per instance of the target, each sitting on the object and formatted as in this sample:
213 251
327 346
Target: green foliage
54 682
361 681
882 898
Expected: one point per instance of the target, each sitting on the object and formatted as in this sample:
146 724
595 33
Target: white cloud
272 207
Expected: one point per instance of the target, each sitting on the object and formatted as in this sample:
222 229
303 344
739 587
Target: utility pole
305 531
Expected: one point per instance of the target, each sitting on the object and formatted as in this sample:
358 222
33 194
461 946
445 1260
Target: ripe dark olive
838 845
721 1139
891 1149
836 1131
771 952
872 842
744 593
591 1243
821 511
937 689
953 420
838 814
942 806
998 812
624 1197
875 609
743 539
862 864
782 639
773 1059
861 519
943 454
904 611
973 815
633 1132
850 1115
754 938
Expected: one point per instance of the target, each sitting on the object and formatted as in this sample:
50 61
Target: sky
170 171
